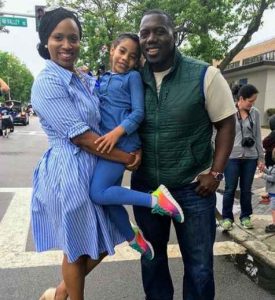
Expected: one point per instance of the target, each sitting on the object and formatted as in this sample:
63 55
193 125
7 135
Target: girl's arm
133 120
130 124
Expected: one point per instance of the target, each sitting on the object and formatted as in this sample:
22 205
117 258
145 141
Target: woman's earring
46 46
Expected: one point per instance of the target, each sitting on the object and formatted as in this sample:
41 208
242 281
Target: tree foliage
206 29
18 77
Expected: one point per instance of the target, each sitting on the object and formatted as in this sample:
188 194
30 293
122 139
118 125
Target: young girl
269 172
269 175
121 103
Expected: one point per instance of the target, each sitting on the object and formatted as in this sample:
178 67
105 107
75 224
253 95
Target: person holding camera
246 155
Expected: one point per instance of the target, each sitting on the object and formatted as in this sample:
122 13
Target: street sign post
10 21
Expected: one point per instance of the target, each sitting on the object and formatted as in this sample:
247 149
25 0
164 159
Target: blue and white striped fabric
63 216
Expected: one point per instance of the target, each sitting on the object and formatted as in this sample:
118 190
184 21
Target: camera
248 142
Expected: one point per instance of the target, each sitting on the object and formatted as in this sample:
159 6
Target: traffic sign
10 21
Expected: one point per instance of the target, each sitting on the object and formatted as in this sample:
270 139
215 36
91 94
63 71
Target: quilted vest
176 132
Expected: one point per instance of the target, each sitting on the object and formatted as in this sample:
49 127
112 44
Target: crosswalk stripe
14 229
25 132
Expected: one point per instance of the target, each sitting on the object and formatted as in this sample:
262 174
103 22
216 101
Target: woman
246 155
63 216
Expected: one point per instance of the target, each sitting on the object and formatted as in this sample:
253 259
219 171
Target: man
184 98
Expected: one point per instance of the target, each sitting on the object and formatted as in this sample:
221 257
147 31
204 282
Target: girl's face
247 103
124 56
64 43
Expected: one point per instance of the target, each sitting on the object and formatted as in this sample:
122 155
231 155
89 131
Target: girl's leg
105 186
89 265
133 235
119 216
105 189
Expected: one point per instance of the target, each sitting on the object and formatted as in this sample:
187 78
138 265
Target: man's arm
223 143
223 146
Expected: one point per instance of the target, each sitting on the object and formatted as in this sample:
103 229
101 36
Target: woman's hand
261 166
138 156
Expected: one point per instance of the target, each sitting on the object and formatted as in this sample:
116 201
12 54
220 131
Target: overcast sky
22 41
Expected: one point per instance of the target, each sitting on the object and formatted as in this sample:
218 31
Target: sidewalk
256 241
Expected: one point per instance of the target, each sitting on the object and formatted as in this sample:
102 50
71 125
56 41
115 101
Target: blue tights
105 189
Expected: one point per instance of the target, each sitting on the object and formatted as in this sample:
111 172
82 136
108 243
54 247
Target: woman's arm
51 100
86 141
258 138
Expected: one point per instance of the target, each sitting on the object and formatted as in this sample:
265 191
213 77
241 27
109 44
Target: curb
255 246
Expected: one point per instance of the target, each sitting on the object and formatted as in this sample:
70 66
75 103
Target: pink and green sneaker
141 245
167 205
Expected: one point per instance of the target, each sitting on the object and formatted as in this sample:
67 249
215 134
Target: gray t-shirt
249 130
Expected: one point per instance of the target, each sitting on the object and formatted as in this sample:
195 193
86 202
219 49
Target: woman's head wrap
48 23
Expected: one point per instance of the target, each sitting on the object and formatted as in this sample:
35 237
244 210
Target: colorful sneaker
246 223
167 205
141 244
226 224
270 228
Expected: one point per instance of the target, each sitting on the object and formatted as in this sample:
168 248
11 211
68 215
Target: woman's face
64 43
247 103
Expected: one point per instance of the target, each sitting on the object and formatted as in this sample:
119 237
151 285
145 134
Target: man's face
157 41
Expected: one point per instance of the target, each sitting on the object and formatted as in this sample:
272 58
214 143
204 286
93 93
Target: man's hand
107 142
138 156
207 185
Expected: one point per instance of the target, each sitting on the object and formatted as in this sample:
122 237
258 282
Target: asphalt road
25 274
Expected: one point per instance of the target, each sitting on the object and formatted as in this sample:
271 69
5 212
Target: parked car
18 113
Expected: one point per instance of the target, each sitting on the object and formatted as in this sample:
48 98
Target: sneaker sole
173 201
227 229
247 227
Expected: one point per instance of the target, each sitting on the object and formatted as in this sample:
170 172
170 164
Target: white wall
260 79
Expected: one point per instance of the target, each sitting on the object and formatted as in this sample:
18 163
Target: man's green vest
176 132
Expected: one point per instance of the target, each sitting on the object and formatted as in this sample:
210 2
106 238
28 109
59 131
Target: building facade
256 65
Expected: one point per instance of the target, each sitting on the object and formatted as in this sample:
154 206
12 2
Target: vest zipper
156 143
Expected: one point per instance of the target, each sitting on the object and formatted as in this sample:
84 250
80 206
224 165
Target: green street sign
10 21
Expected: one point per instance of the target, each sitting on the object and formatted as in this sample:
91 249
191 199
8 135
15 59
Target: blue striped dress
62 214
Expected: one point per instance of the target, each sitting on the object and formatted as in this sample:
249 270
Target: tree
18 77
206 29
